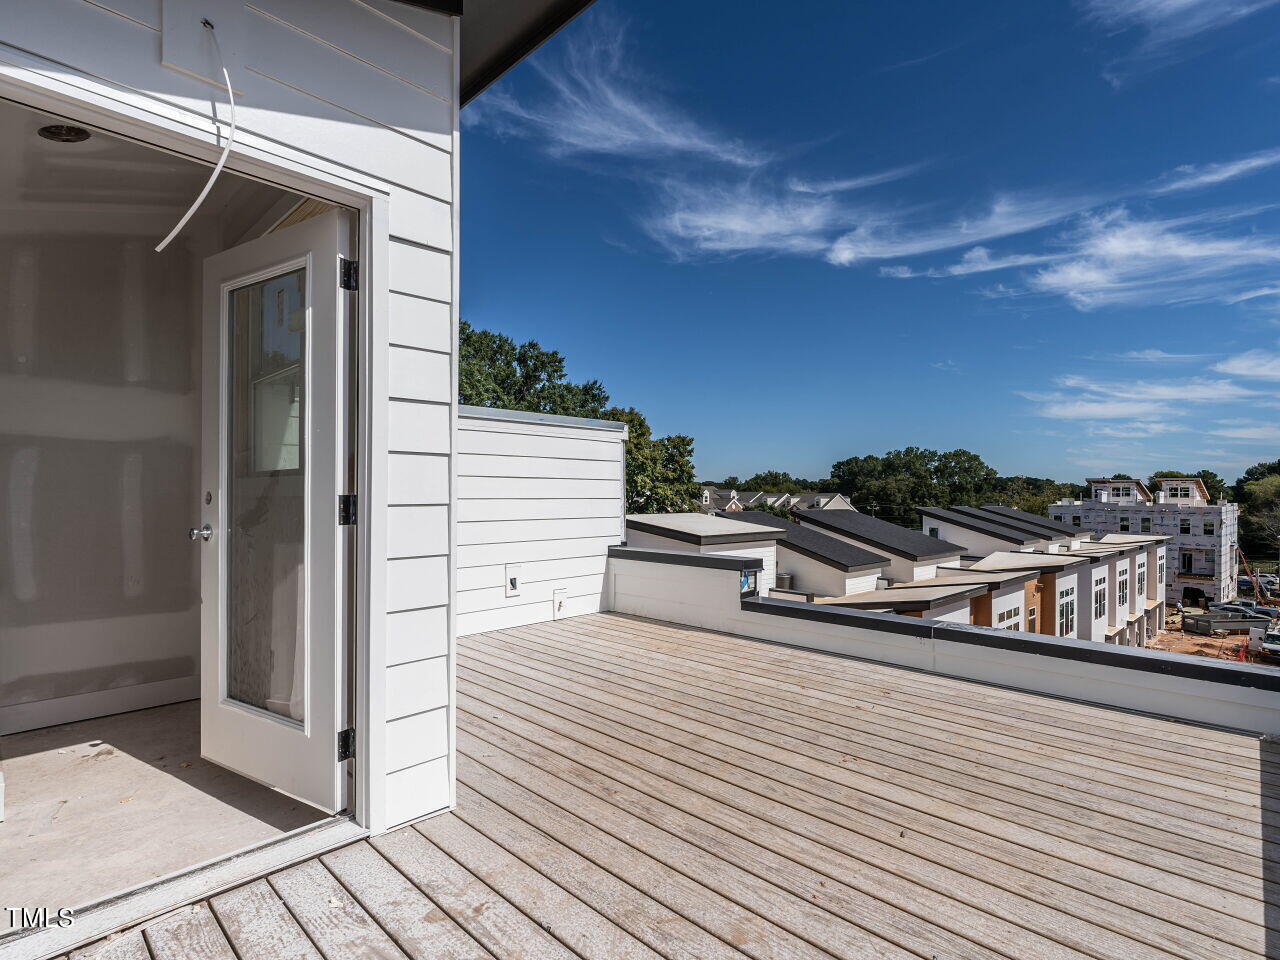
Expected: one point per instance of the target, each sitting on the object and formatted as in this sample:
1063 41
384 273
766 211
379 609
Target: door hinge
346 744
346 509
348 274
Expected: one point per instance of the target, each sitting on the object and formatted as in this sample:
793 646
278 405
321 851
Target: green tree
660 476
1256 472
1216 486
782 512
893 485
495 371
775 481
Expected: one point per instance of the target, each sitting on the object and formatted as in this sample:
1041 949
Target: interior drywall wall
540 502
99 460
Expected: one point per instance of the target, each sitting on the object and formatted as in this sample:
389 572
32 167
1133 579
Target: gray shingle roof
814 543
1034 520
981 525
883 535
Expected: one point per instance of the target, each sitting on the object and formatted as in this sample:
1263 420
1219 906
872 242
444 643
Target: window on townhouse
1058 517
1144 525
1160 572
1142 582
1124 524
1126 491
1211 558
1031 620
1207 527
1184 525
1075 520
933 531
1010 619
1067 612
1100 597
1122 589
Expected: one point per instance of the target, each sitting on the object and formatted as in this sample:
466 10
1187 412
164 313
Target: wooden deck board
969 783
1077 876
633 790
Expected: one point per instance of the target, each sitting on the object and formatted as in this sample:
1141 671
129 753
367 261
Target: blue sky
1046 232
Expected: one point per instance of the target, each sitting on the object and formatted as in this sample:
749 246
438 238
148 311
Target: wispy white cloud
1252 431
977 260
1008 215
728 218
1165 28
1152 355
800 185
1252 294
1116 258
1135 430
597 103
1258 364
1189 390
1193 176
1064 407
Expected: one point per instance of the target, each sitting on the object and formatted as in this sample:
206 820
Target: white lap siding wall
540 498
355 102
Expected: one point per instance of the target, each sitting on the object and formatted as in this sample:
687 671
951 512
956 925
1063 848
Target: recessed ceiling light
64 133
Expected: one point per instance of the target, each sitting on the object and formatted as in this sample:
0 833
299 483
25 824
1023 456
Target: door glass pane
266 485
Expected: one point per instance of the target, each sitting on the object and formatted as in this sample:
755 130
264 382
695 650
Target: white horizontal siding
547 496
361 93
477 465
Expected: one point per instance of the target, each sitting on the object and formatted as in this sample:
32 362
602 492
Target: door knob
200 533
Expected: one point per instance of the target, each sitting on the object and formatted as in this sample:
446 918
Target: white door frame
29 81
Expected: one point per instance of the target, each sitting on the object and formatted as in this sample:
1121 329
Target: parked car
1255 607
1245 607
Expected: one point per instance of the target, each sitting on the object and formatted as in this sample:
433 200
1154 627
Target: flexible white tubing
226 151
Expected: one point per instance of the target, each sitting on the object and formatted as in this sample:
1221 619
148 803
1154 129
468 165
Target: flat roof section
1012 560
700 528
921 596
883 535
814 544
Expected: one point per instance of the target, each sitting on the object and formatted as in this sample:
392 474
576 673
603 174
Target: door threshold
146 901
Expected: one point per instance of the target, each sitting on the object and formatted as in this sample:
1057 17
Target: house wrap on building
1202 559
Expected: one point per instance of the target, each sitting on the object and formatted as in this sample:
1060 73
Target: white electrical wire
226 151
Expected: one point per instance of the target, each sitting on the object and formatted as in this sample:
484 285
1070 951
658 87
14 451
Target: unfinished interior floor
97 806
632 789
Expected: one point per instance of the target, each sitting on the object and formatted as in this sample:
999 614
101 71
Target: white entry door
273 579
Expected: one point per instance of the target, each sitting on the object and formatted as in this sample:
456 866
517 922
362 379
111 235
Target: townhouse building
1202 558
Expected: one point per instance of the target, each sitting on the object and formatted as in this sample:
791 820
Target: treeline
892 485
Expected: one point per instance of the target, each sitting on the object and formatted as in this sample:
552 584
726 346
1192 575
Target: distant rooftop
700 528
815 544
883 535
920 596
1034 520
981 524
1016 560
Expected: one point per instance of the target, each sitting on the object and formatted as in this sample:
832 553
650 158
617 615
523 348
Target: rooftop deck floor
631 789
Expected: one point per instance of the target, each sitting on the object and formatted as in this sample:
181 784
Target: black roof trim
997 530
1082 651
901 542
452 7
681 559
476 77
667 533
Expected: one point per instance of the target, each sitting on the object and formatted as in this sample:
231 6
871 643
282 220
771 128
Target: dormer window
706 497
